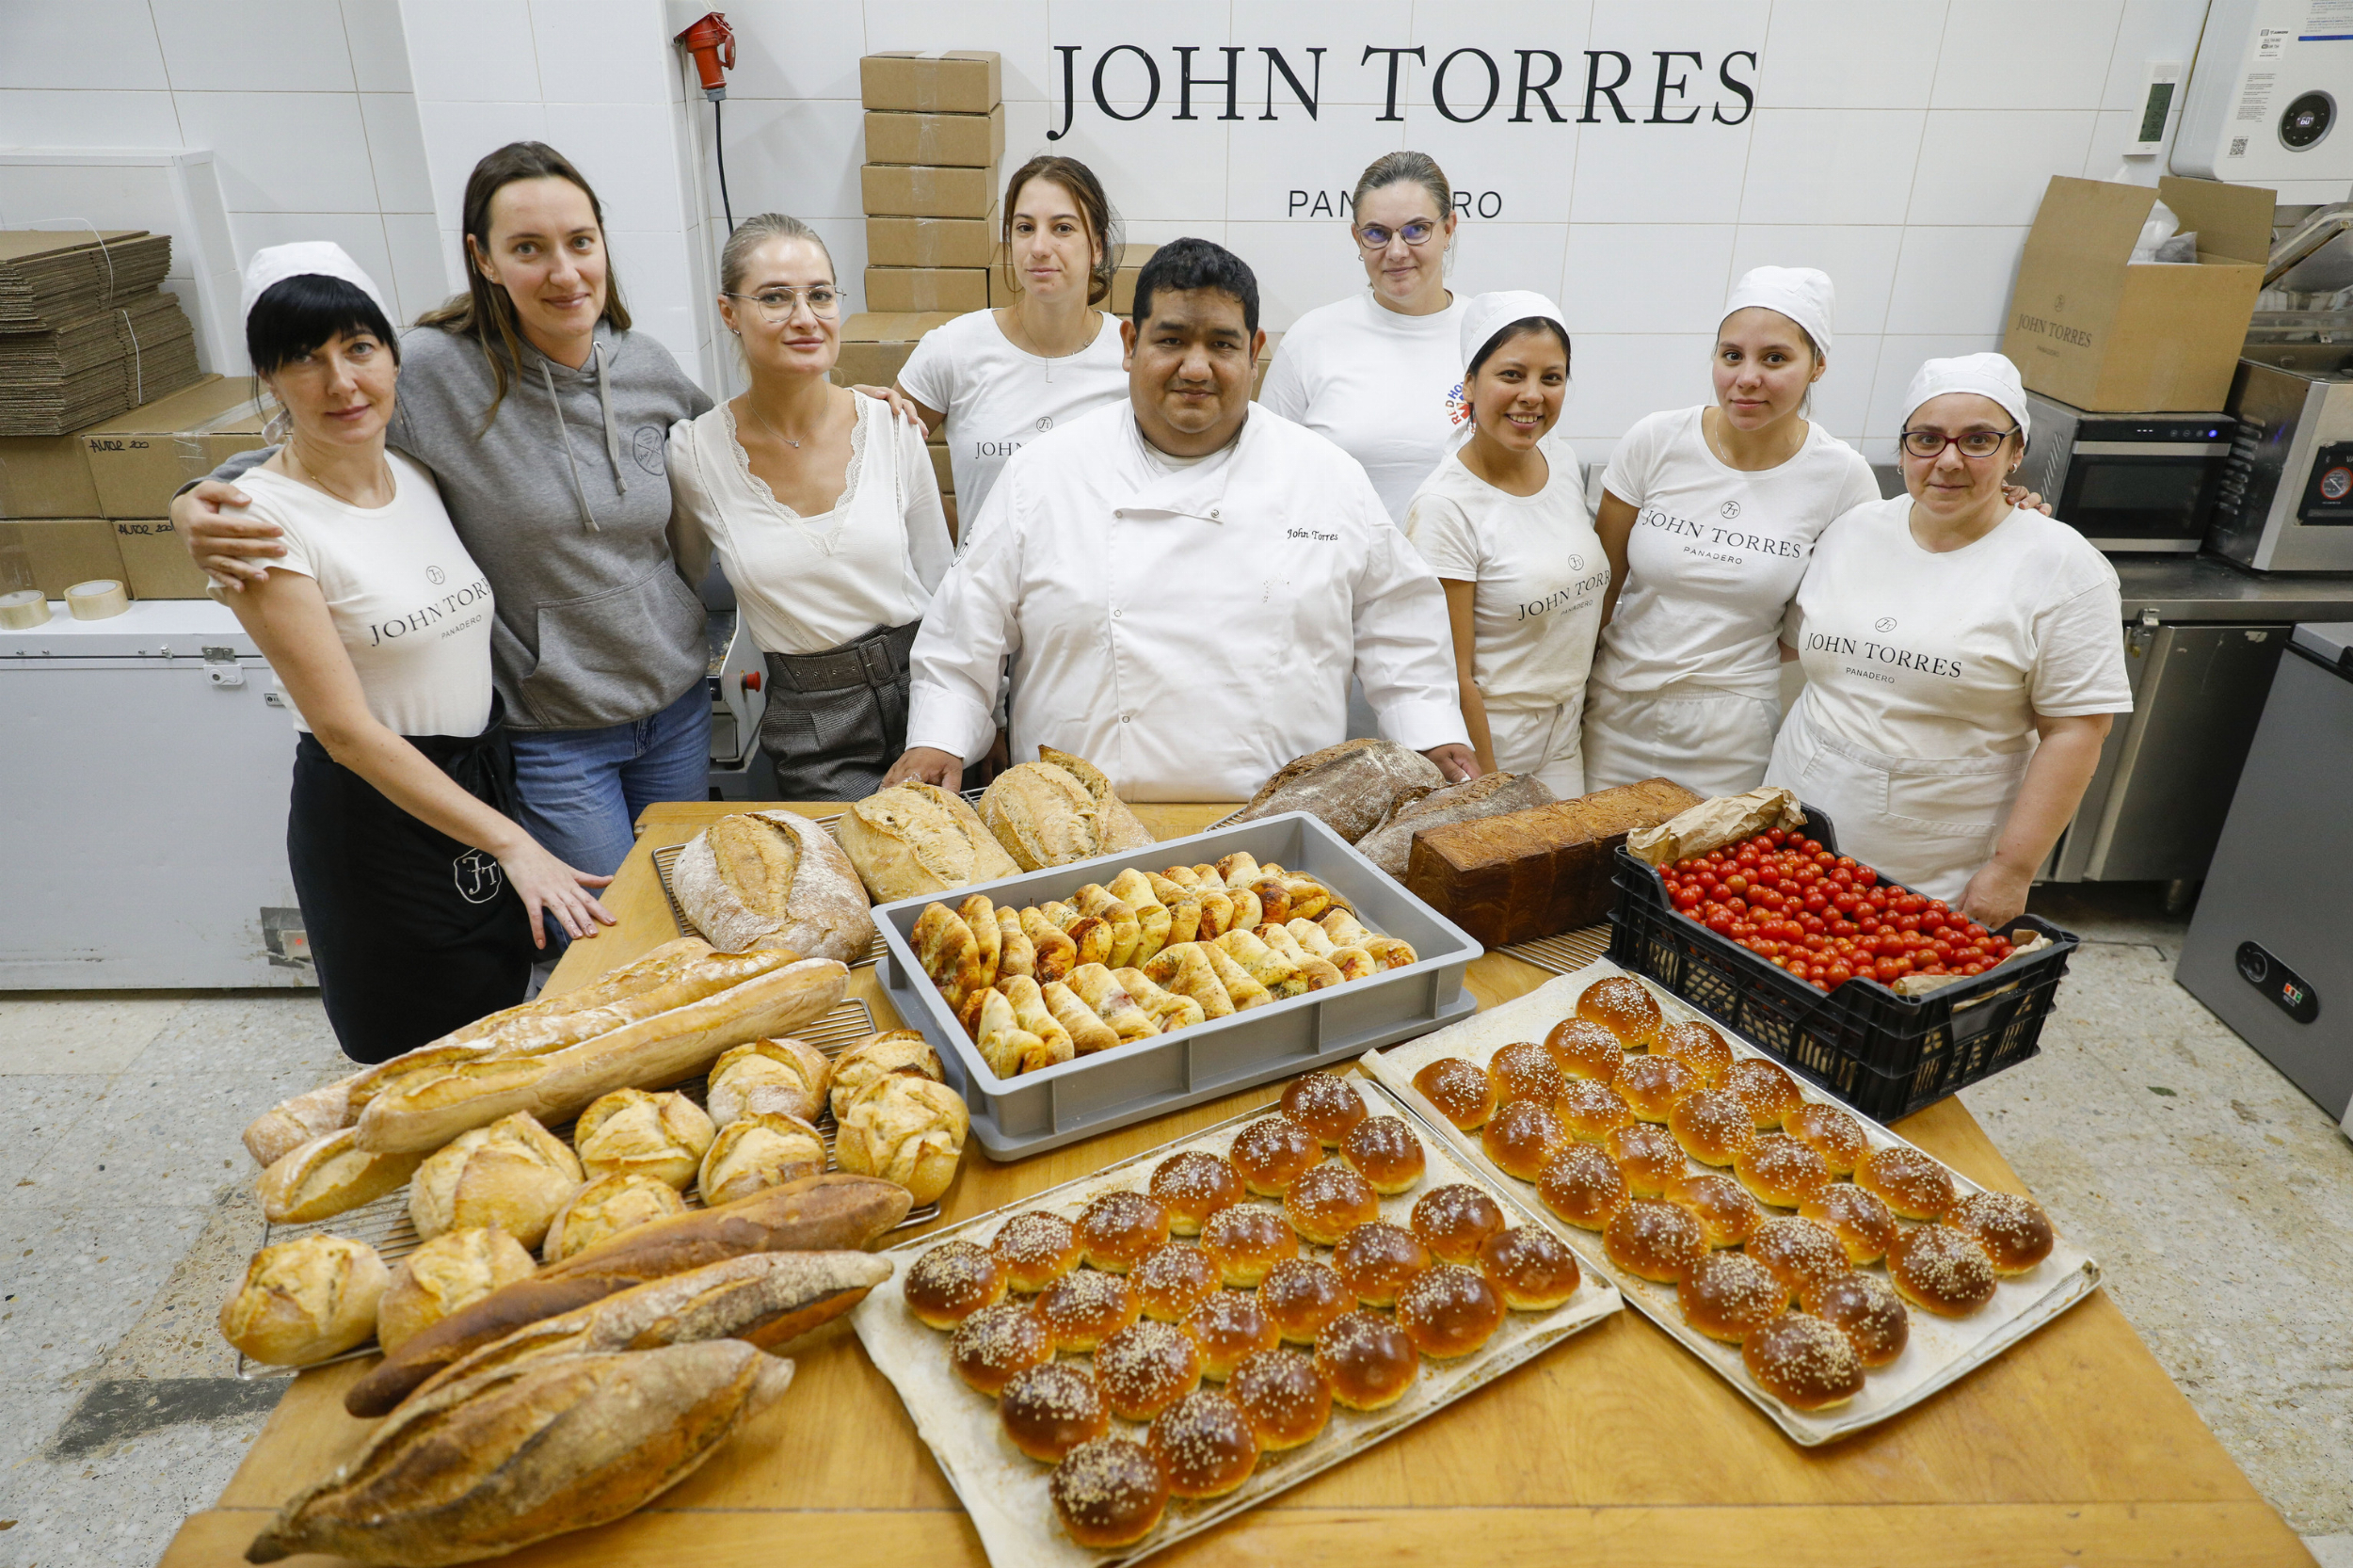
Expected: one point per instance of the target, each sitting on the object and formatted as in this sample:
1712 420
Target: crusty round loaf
910 1130
453 1269
305 1300
785 1077
913 840
328 1176
514 1174
894 1052
758 1153
1353 787
605 1207
1058 809
773 879
630 1132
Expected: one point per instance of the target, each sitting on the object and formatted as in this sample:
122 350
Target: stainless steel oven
2128 482
2288 502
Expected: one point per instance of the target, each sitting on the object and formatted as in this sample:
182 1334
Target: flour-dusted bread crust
1354 786
1058 809
305 1300
1491 794
328 1174
774 879
915 840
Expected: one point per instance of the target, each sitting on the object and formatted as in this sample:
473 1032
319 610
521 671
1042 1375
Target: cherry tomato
1720 925
1865 877
1839 975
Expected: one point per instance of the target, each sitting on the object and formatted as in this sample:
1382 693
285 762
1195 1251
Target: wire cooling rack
1565 953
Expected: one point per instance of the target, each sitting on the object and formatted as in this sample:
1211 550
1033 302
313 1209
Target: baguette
328 1176
764 1299
828 1213
427 1111
292 1123
529 1024
498 1462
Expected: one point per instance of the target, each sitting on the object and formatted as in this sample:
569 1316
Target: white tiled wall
1900 144
306 105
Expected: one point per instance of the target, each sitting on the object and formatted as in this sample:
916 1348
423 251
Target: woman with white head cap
421 897
1963 659
1507 533
1708 515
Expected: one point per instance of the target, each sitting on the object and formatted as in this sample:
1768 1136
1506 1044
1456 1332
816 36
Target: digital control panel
2283 986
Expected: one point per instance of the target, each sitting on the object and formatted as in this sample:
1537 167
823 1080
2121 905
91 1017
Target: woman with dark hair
1381 372
421 897
544 420
998 379
825 511
1506 530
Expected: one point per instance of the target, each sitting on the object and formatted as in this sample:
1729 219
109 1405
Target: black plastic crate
1885 1055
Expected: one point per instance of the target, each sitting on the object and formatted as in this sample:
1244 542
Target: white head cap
1489 314
1802 294
1986 375
274 264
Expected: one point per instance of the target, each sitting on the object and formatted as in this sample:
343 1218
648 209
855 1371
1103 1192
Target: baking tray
1056 1105
1005 1493
1941 1349
666 856
384 1224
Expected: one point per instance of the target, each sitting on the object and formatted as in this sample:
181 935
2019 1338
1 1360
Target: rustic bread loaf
913 840
630 1132
513 1173
879 1056
305 1300
1491 794
828 1213
758 1153
773 879
497 1463
1354 786
452 1270
605 1207
328 1174
1058 809
1536 872
906 1129
785 1077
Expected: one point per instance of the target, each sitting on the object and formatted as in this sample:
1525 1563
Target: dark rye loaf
1536 872
1491 794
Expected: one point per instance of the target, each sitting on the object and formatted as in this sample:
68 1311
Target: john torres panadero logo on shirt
1576 593
1883 653
425 617
1718 535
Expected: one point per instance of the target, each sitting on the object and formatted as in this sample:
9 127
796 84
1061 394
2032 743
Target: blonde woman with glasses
824 511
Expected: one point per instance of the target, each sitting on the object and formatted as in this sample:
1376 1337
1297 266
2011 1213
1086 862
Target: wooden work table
1618 1447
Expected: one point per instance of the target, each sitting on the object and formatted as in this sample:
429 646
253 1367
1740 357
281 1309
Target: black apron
412 934
837 720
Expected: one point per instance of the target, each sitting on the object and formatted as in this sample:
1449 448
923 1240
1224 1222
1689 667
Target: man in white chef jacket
1184 582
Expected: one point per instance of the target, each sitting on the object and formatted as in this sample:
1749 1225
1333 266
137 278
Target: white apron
1928 822
1545 743
1709 741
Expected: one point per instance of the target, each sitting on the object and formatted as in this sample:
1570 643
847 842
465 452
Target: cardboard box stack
86 333
91 503
934 136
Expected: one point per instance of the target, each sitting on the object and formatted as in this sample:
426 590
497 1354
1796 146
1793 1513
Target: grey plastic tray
1037 1111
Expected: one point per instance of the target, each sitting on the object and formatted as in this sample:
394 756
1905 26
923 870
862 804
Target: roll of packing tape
23 610
97 599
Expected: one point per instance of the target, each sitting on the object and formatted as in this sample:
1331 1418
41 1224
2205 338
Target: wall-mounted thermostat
2156 109
2272 83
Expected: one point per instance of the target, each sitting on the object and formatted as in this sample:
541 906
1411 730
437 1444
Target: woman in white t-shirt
421 898
1709 515
996 379
1381 372
1963 659
1508 534
824 512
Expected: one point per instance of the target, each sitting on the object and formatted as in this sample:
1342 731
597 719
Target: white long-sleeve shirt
1189 629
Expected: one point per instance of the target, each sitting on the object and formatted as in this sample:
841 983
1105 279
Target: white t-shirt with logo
411 608
996 396
1539 570
1715 554
1387 389
1922 655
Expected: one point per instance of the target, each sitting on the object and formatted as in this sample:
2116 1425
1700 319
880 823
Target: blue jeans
580 790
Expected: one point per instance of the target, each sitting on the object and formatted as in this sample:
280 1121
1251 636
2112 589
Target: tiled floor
2218 1199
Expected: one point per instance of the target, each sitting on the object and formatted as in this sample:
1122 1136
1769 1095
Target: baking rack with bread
1149 955
1123 1360
1832 1271
764 1109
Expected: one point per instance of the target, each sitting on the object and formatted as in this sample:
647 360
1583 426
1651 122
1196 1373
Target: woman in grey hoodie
545 420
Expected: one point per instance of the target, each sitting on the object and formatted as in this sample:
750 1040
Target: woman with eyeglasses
1708 515
1381 372
1963 659
824 511
996 379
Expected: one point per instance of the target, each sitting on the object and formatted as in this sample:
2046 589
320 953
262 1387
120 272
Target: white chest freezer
145 762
